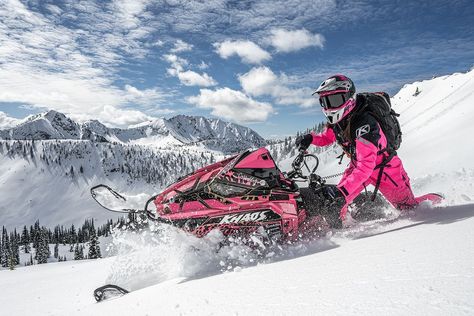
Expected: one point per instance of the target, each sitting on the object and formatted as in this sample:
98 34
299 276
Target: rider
362 139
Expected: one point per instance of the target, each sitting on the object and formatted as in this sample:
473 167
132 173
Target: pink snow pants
394 185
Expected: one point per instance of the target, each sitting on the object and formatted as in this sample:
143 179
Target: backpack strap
381 166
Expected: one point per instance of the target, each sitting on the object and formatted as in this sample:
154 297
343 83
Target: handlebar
299 162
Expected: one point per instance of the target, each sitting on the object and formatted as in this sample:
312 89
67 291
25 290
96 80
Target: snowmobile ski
108 291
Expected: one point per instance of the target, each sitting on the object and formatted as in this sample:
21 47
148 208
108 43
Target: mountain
49 125
49 162
182 130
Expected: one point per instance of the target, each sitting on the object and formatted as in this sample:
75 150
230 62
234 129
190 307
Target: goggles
334 101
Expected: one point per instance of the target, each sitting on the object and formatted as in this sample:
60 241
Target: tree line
160 167
36 240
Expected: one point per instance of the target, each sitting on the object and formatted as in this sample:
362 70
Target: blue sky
252 62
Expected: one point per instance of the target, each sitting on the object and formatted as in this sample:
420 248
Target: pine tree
42 251
11 262
56 250
35 234
72 235
14 248
25 240
5 248
94 248
78 252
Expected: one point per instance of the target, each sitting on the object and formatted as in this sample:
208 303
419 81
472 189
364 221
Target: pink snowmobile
242 195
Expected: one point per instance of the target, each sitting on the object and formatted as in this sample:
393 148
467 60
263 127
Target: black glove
331 193
335 201
303 141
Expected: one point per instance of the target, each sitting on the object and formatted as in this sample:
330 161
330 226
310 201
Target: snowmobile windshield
231 164
226 190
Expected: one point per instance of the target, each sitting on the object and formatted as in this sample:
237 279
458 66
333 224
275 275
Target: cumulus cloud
146 97
260 81
177 63
7 122
181 46
232 105
290 41
249 52
187 77
191 78
129 12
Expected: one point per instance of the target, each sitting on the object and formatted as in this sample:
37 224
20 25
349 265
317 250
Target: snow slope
36 180
417 266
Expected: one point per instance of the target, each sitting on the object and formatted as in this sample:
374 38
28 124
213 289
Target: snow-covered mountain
181 130
49 180
49 162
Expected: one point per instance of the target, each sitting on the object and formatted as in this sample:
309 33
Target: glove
303 141
334 207
332 193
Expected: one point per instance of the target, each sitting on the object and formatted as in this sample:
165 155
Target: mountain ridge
176 131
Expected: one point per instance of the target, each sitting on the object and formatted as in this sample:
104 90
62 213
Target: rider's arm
366 154
327 137
368 138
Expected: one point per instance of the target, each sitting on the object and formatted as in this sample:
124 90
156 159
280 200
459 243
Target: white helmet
337 97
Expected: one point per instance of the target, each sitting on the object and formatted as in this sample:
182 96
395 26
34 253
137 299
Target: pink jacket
362 167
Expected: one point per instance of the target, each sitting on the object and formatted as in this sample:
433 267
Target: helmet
337 97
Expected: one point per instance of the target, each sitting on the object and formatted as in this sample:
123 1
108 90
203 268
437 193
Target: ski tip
434 198
108 291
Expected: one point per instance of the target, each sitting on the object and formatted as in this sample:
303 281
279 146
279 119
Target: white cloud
191 78
291 41
7 122
177 63
144 97
54 9
232 105
203 65
259 81
262 81
187 77
181 46
80 98
130 11
249 52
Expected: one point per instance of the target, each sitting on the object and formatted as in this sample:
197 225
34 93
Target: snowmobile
241 195
244 196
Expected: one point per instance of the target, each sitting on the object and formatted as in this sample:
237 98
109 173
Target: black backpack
379 106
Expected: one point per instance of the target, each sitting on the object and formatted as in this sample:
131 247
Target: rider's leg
395 185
